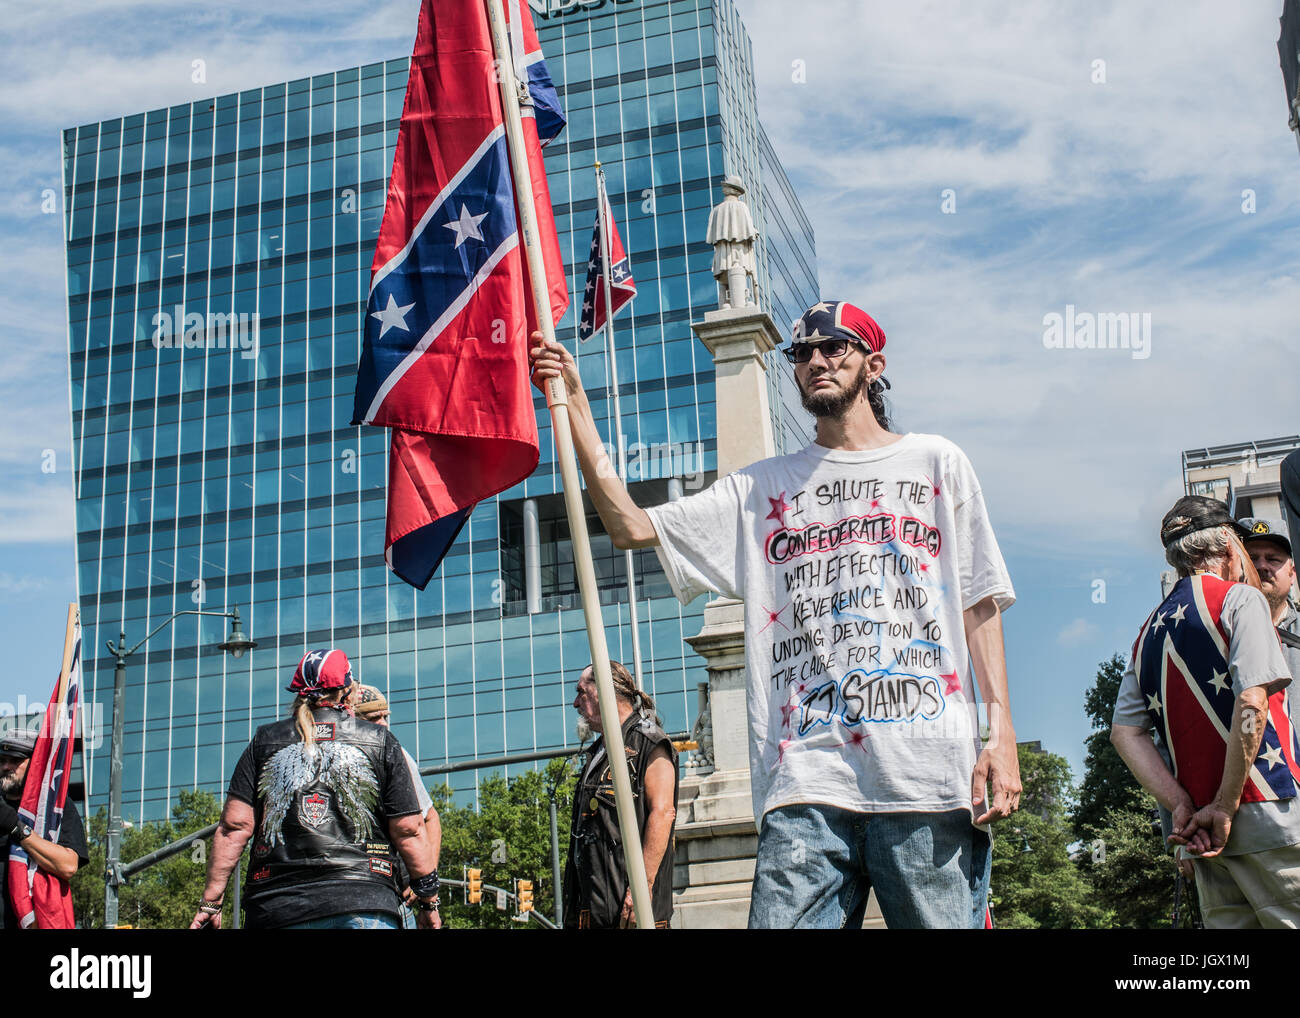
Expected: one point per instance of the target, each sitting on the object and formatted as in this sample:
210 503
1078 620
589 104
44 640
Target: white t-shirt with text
855 568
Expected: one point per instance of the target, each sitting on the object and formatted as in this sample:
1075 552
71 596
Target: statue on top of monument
732 234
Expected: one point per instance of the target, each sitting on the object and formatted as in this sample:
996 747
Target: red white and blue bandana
838 319
319 671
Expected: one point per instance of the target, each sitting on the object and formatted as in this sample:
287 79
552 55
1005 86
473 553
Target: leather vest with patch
317 814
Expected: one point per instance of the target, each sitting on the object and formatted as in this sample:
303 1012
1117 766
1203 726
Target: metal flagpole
606 256
557 400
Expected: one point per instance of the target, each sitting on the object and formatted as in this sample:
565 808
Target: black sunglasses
801 353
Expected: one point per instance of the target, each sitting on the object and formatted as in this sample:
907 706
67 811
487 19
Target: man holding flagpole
873 589
42 839
60 858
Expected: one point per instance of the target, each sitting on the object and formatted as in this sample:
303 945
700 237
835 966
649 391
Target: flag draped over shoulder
40 899
444 363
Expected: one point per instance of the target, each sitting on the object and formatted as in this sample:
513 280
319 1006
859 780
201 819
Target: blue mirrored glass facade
218 258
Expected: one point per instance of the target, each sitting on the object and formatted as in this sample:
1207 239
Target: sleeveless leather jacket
321 844
595 879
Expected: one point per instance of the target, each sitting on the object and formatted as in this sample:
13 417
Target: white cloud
1077 633
1123 196
34 512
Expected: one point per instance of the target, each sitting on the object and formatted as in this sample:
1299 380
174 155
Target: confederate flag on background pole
445 358
40 899
622 286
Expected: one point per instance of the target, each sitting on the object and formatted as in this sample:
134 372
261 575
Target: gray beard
834 405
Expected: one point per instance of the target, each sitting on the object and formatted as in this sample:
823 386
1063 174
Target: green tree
1124 854
1035 883
1107 782
164 896
512 815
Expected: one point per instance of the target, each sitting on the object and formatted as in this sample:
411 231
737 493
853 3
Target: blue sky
1114 187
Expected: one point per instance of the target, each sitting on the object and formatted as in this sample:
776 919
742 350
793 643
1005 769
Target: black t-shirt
313 858
72 834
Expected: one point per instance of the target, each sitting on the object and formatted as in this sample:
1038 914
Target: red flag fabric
445 358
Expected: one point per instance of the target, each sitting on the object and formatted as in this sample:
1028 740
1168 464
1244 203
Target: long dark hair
876 397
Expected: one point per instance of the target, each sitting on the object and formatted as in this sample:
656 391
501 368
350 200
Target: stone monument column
715 836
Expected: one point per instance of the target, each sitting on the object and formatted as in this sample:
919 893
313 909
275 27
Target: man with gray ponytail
327 800
597 895
1207 674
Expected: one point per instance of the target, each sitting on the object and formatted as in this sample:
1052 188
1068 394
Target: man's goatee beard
833 405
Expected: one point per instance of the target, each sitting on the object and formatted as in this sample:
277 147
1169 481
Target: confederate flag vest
1180 659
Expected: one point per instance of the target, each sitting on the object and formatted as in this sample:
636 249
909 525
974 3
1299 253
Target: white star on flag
1274 756
1220 681
1177 616
821 305
1160 621
392 317
466 226
1153 703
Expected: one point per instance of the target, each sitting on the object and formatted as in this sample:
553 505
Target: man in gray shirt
1207 673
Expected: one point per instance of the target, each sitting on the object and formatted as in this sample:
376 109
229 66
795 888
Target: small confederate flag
622 286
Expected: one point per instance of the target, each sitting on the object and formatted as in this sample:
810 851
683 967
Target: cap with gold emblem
1265 530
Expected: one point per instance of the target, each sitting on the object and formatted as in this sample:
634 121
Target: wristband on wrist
430 905
211 907
426 886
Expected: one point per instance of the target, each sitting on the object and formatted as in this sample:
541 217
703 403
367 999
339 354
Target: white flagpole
557 400
606 257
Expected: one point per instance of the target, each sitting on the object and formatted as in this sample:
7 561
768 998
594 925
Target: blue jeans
816 865
350 921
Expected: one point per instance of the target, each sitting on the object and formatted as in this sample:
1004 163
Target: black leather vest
596 876
318 816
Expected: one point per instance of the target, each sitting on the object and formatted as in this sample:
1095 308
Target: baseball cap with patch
319 671
20 743
838 319
1266 530
1196 512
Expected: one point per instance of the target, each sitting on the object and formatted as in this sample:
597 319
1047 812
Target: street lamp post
235 646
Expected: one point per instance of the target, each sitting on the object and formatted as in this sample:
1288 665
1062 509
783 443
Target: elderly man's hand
1207 831
627 919
202 919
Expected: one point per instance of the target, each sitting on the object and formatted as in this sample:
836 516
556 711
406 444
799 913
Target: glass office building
218 259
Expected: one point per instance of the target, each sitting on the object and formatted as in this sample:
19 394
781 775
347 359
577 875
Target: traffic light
524 892
473 886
